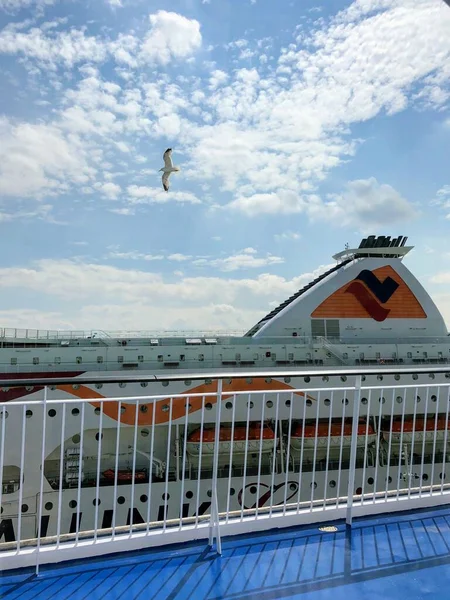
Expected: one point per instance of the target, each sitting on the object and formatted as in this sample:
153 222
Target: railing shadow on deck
270 565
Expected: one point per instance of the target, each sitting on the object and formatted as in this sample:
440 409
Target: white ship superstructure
367 311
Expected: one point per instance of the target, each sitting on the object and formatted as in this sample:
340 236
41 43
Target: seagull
168 168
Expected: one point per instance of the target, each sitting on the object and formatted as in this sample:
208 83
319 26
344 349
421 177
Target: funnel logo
381 292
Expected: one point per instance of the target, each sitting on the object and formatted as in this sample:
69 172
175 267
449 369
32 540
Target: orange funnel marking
162 411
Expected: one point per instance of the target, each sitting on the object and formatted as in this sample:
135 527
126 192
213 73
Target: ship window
317 328
291 356
35 360
238 357
182 357
201 357
425 354
409 354
140 358
120 359
268 354
332 328
160 357
79 360
57 360
377 355
14 361
99 359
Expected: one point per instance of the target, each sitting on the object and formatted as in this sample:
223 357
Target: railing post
353 450
41 486
214 519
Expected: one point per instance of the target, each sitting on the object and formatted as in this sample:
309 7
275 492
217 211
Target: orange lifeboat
422 428
125 475
255 439
336 432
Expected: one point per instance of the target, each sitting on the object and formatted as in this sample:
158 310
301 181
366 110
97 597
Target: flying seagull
168 168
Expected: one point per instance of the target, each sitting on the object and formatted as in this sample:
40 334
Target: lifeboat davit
255 439
422 428
337 433
125 475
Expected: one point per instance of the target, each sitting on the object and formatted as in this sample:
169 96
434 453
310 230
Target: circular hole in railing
120 500
327 402
189 495
364 401
29 414
143 408
52 412
76 439
399 399
75 411
208 406
144 432
332 483
97 436
143 498
48 505
24 508
73 504
96 501
269 403
370 481
425 476
229 405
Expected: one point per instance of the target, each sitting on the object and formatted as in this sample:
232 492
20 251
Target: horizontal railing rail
85 473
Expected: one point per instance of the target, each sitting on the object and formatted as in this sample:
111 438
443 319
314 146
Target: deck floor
389 557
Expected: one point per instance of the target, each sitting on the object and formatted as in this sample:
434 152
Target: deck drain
328 528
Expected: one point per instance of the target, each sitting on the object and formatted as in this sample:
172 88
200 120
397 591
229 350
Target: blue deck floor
403 556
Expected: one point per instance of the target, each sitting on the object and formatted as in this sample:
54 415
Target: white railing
84 474
44 334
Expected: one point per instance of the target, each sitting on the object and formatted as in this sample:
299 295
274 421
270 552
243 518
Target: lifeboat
422 428
336 433
125 475
240 440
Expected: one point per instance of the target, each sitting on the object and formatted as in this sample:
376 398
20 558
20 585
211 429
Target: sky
298 127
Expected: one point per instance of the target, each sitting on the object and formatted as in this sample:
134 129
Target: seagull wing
167 157
165 181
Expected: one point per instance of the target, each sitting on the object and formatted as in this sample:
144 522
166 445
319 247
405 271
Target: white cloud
134 256
287 236
245 259
109 189
442 199
16 5
171 36
141 194
283 202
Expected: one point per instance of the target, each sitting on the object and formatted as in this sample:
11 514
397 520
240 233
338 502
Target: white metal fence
84 474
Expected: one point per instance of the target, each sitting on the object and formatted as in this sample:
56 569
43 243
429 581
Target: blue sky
298 127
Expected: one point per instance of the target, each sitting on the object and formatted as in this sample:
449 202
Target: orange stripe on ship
128 417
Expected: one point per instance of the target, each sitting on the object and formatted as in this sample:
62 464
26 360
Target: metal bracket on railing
214 526
353 451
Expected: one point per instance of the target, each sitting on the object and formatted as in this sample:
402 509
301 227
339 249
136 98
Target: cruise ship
140 461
